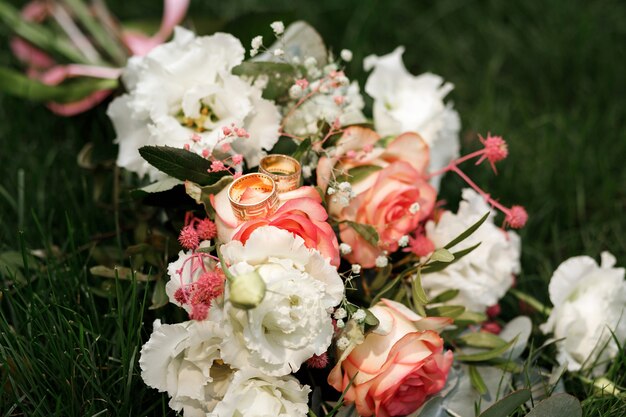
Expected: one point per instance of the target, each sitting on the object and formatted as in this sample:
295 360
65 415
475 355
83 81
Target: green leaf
41 36
280 76
15 83
483 340
445 296
202 195
460 238
157 187
558 405
359 173
366 231
508 404
302 149
419 295
159 296
386 289
120 272
436 266
181 164
484 356
445 311
477 380
442 255
470 317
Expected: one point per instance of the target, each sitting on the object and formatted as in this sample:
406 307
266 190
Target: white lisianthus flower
185 271
327 107
292 322
407 103
254 394
589 303
184 360
182 93
486 274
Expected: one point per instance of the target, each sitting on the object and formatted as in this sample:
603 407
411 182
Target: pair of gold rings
256 194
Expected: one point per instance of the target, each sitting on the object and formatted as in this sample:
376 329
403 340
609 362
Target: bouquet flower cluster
320 272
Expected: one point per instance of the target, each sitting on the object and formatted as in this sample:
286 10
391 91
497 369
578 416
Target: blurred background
549 76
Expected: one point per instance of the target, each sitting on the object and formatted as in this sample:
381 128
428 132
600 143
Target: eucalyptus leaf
460 238
517 330
445 311
17 84
508 404
280 76
470 317
482 340
300 40
484 356
181 164
558 405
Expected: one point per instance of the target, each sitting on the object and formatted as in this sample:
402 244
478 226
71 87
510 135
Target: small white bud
310 62
340 324
343 343
331 191
382 261
247 290
253 52
257 42
415 207
340 313
295 91
359 315
345 249
279 52
306 171
278 27
345 186
356 268
346 55
403 241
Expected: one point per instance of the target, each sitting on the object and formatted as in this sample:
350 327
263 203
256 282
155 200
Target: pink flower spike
226 130
196 138
495 150
217 166
199 312
226 147
516 217
206 229
237 159
206 153
189 238
318 361
241 132
302 83
420 245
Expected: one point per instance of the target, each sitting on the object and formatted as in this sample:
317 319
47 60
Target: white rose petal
589 303
484 276
176 80
293 322
404 102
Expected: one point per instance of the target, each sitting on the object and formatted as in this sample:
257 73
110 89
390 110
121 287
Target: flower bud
247 290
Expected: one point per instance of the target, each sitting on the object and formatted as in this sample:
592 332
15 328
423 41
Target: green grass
548 76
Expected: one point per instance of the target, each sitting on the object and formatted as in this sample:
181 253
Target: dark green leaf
438 265
508 404
202 195
445 296
482 340
386 289
460 238
484 356
558 405
181 164
281 76
159 296
302 149
359 173
442 255
470 317
477 380
366 231
15 83
445 311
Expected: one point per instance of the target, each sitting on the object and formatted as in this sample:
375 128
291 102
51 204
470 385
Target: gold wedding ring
253 195
283 169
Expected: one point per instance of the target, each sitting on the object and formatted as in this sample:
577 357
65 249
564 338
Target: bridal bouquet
319 271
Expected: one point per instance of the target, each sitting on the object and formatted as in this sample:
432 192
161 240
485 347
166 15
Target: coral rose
397 367
300 213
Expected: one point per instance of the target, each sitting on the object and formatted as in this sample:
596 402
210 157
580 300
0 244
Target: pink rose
397 367
300 212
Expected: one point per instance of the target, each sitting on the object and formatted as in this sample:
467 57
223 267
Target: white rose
293 322
253 394
404 102
184 360
484 275
176 82
589 303
324 107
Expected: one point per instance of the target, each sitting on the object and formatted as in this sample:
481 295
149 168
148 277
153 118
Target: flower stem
531 301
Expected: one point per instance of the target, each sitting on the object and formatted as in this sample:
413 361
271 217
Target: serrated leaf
442 255
558 405
181 164
419 295
477 380
366 231
445 296
445 311
460 238
485 356
436 266
120 272
482 340
508 404
280 76
17 84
